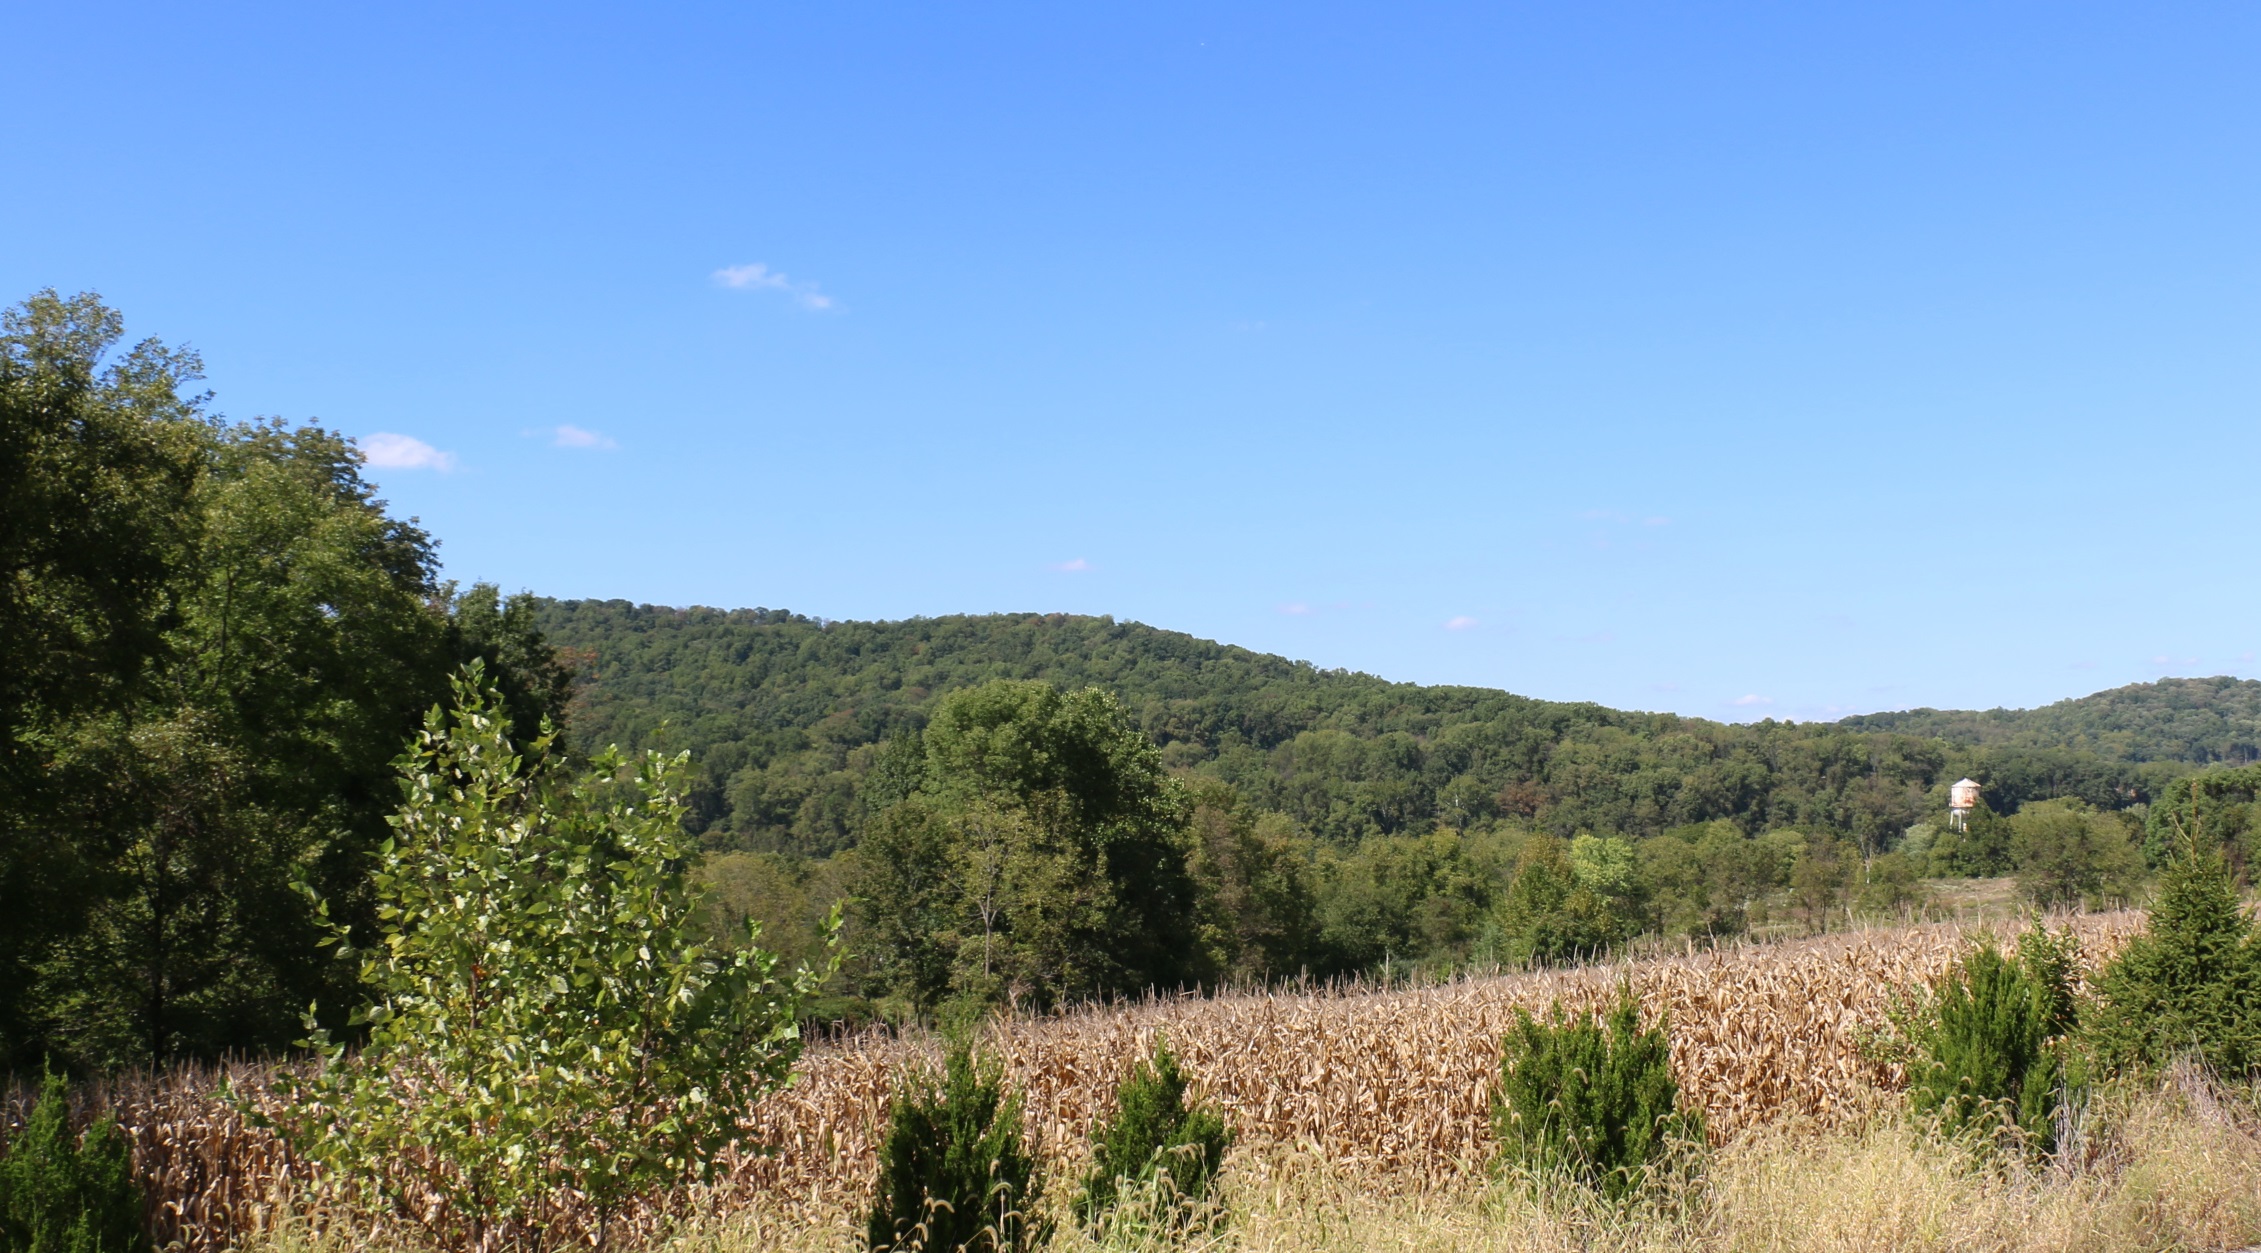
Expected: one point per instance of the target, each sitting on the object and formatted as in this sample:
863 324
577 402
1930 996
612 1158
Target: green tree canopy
1040 855
547 1029
219 640
2068 854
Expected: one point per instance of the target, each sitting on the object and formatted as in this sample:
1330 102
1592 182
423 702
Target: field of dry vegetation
1364 1119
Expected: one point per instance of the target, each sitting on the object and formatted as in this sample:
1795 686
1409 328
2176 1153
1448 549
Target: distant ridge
2199 721
785 715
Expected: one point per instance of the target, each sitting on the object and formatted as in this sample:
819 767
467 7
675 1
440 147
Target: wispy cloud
1075 565
1461 623
1752 701
571 436
755 276
388 451
1295 608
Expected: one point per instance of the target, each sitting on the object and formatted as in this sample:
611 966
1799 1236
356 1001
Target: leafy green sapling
545 1022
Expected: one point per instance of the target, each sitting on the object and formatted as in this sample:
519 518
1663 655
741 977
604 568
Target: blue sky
1741 360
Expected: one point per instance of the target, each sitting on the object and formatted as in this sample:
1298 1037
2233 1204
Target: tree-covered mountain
787 716
2198 721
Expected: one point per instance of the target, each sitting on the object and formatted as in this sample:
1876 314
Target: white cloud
1754 699
571 436
1461 623
755 276
1075 566
387 451
1295 608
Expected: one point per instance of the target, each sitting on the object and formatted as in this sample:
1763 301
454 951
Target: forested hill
2201 721
786 716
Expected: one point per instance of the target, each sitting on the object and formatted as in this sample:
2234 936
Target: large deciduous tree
219 640
97 468
1040 856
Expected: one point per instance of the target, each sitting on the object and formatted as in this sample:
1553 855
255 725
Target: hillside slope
785 715
2199 721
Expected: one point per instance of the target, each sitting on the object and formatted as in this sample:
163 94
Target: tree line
787 717
1032 846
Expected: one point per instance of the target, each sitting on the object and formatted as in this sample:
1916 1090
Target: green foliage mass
2198 721
218 641
2191 983
545 1022
1979 848
2219 810
1337 822
1559 908
1707 878
1040 853
2068 854
955 1171
789 717
1988 1052
61 1193
1591 1098
1154 1138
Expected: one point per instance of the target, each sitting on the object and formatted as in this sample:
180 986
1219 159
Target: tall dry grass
1387 1087
1400 1081
2174 1168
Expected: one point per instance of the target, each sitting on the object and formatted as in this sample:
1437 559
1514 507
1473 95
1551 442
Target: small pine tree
60 1195
1986 1057
1591 1097
2191 983
954 1172
2052 960
1154 1136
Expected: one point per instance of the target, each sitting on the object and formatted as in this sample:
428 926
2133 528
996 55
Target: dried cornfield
1392 1082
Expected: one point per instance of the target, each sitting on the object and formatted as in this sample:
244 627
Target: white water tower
1962 798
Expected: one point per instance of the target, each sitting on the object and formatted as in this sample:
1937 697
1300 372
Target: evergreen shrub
2191 983
1591 1097
955 1172
1988 1050
66 1194
1155 1139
